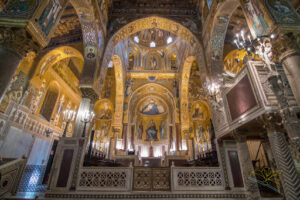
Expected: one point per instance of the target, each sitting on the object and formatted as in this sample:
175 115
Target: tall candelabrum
69 116
87 118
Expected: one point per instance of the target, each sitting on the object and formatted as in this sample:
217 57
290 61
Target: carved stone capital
285 45
238 136
17 40
272 122
279 89
88 92
116 131
186 134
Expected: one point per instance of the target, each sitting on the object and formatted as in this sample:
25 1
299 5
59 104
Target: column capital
17 40
116 131
285 44
272 122
295 148
88 92
186 134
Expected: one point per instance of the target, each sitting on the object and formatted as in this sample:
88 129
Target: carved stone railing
21 118
196 178
105 179
151 179
11 174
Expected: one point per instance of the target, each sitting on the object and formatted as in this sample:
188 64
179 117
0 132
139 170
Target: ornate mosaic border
147 196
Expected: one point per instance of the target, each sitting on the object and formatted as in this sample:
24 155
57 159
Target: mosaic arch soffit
89 27
55 56
167 92
206 105
217 34
117 122
148 23
184 90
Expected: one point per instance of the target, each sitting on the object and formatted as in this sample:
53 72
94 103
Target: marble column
291 63
289 117
289 177
9 62
112 148
189 144
79 125
286 51
246 167
114 142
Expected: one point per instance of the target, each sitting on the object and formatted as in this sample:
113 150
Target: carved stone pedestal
295 151
247 167
67 161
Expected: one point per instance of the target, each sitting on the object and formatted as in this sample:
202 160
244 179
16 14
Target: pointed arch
149 23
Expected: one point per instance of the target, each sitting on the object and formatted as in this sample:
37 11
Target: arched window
130 61
173 62
49 102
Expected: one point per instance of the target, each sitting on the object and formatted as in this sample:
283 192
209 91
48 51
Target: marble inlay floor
32 179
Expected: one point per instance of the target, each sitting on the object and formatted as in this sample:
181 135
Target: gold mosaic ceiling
68 30
160 37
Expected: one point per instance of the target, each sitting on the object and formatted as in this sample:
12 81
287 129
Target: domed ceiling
154 38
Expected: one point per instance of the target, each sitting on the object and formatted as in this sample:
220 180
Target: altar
152 162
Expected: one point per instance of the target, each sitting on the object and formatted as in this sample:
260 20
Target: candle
242 34
249 38
235 41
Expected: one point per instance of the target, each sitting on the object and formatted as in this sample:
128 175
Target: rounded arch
184 90
166 93
149 23
119 78
158 93
57 55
